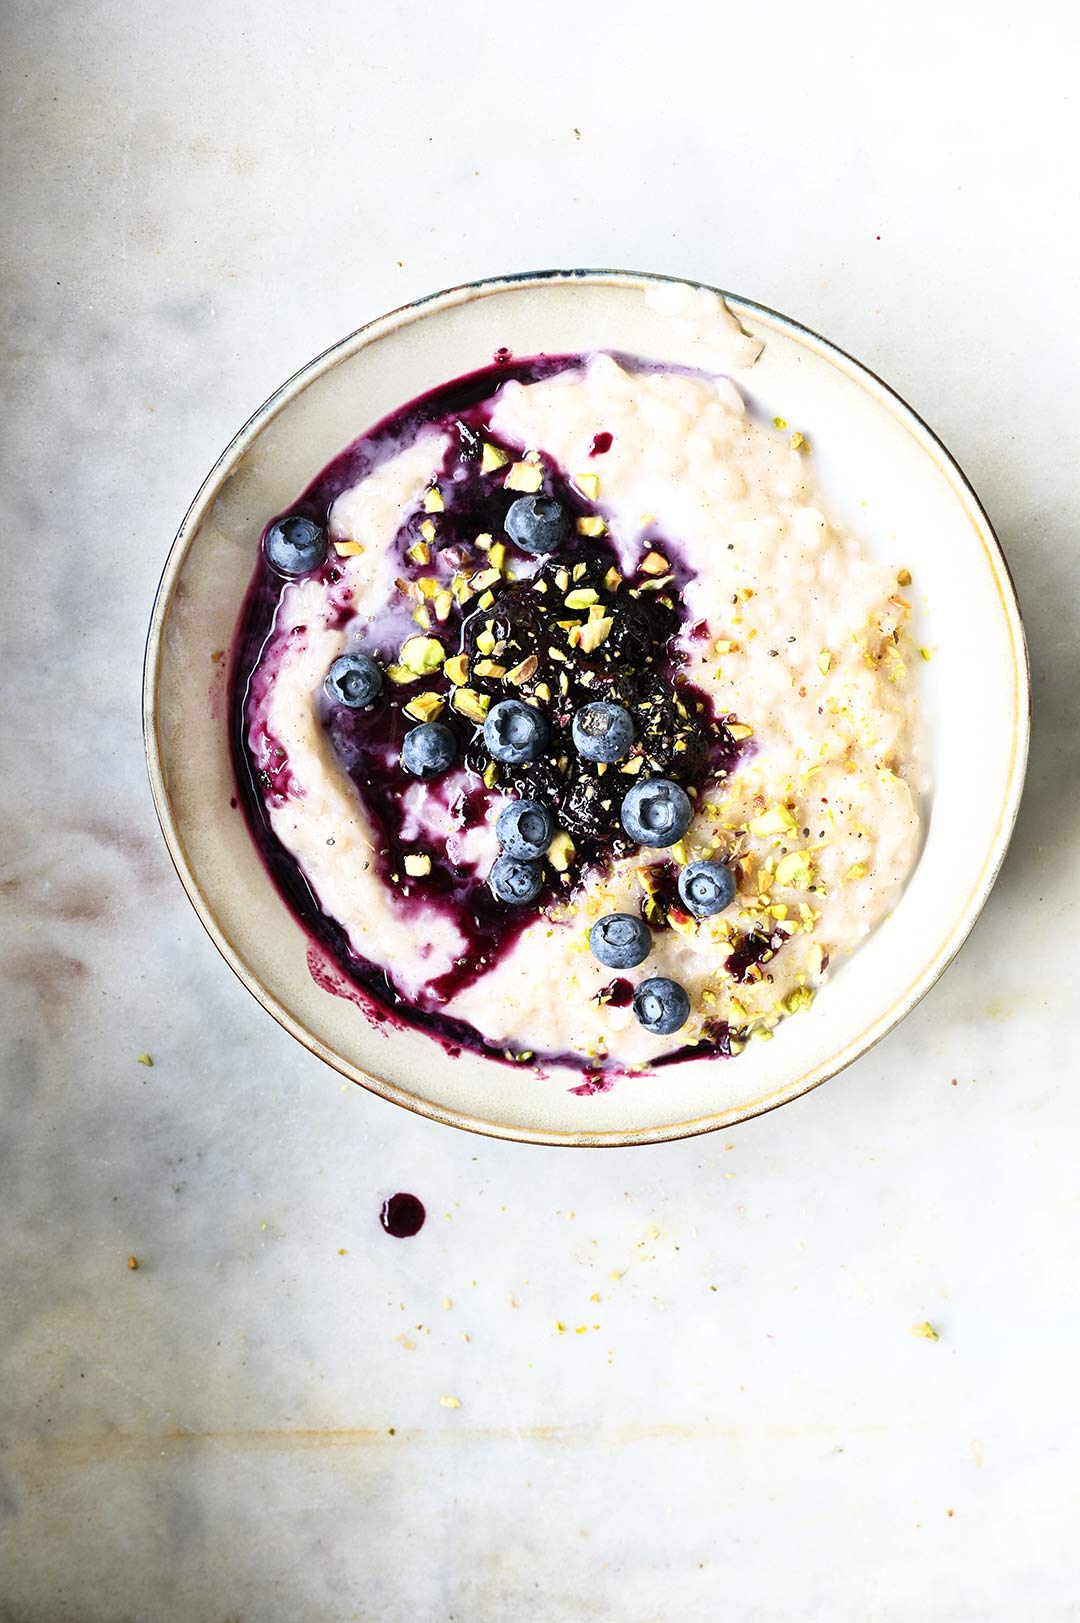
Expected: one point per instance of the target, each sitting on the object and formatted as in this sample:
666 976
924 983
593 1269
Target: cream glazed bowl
885 477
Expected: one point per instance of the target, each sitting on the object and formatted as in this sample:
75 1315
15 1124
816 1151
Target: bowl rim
343 349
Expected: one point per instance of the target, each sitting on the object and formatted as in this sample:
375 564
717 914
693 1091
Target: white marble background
248 1428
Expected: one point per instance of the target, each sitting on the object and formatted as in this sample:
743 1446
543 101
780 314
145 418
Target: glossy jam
402 1216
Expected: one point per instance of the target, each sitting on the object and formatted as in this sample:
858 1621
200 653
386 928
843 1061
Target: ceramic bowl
884 473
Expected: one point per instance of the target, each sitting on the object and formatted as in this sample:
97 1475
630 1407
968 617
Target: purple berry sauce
402 1216
637 667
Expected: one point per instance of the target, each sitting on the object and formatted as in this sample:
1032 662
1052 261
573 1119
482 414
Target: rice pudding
571 725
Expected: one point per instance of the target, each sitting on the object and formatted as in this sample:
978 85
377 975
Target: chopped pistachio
427 529
801 998
591 525
497 555
924 653
824 660
402 673
796 441
433 502
422 617
588 484
904 578
491 458
521 673
457 669
485 578
443 603
490 668
612 580
427 586
777 820
926 1331
793 870
561 852
682 923
485 641
540 585
524 476
654 563
562 579
483 541
738 730
779 422
634 764
417 865
594 634
485 600
542 691
422 655
420 553
144 1059
578 571
467 702
580 597
426 706
815 959
856 871
452 1403
725 646
491 775
348 549
657 585
645 519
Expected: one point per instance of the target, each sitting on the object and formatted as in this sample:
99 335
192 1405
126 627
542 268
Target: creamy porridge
570 723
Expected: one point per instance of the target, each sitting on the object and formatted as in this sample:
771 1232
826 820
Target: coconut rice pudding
571 725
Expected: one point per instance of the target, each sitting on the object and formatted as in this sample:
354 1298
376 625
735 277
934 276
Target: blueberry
620 940
656 812
514 732
602 731
537 524
515 882
662 1006
295 545
707 888
353 680
525 829
428 749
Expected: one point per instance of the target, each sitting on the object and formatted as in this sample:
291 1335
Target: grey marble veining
736 1419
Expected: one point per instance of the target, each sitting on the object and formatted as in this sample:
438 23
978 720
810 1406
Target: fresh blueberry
525 829
295 545
620 940
662 1006
354 680
515 882
707 888
514 732
428 750
537 524
656 812
602 731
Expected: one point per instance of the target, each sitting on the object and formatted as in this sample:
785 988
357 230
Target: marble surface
737 1419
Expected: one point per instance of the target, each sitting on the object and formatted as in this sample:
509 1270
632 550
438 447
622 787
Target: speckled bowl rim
947 465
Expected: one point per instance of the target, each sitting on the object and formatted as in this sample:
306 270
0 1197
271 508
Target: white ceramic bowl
884 472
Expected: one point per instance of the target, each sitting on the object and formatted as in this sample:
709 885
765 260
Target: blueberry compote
559 632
